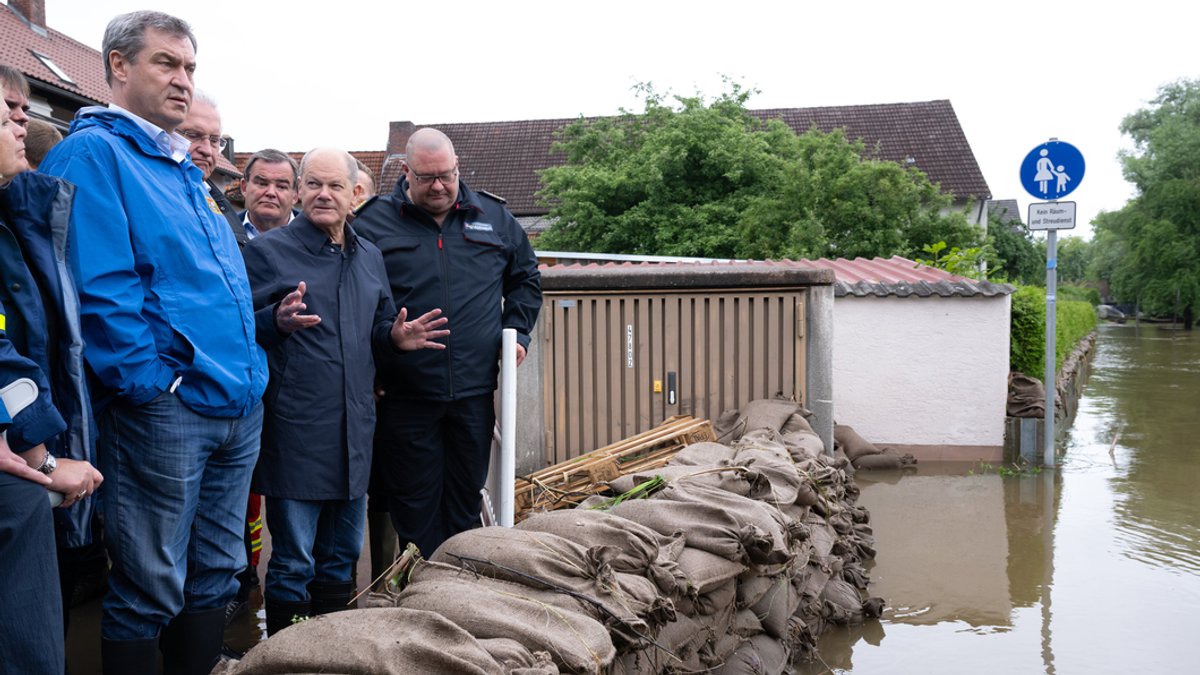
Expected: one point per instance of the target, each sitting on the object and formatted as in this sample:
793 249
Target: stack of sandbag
739 558
864 455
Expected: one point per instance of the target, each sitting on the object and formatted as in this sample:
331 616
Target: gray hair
204 97
126 34
351 163
273 156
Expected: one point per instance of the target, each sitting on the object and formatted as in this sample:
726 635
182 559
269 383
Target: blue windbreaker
162 284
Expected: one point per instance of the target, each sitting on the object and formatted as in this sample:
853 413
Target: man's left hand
419 333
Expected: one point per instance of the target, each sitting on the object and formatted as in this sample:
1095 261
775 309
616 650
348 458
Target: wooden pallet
568 483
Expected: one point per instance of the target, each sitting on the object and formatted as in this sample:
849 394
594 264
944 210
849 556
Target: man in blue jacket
168 326
447 247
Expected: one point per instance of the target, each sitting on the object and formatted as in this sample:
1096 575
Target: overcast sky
298 74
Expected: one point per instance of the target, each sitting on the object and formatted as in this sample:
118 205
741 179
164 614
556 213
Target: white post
507 469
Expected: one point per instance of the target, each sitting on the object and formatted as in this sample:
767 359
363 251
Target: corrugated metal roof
860 277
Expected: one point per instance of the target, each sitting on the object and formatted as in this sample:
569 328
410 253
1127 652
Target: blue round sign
1052 170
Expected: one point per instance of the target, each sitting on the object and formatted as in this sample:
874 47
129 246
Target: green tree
1150 249
1017 258
690 177
1074 256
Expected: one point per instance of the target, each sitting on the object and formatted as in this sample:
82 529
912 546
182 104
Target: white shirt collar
173 145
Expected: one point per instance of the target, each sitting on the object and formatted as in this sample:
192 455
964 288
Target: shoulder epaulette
498 198
364 205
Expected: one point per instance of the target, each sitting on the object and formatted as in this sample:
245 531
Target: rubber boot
129 657
330 596
281 614
191 643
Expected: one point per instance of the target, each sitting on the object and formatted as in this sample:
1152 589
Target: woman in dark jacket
39 342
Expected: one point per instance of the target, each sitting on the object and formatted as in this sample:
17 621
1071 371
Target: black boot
330 596
281 614
191 643
129 657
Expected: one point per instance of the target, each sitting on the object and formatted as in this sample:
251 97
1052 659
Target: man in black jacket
445 246
324 313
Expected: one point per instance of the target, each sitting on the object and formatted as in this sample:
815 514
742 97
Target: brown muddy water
1090 568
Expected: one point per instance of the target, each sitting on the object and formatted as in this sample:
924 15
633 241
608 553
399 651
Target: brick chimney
34 11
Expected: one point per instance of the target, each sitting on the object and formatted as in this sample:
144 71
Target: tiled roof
372 158
1004 211
504 157
902 277
18 41
880 277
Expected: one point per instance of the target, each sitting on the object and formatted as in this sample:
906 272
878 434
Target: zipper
445 308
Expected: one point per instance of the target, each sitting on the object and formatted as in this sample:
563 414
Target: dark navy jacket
478 268
41 337
320 405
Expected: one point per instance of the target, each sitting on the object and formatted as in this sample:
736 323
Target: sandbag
1026 396
766 413
516 555
776 606
574 640
780 472
760 655
705 571
760 532
852 444
841 603
515 659
705 453
386 640
803 445
639 550
736 479
885 460
798 421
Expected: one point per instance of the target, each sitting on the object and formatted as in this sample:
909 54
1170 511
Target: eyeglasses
445 178
195 137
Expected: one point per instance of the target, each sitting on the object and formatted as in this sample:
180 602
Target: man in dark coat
324 313
460 250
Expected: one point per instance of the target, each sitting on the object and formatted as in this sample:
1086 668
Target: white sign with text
1052 216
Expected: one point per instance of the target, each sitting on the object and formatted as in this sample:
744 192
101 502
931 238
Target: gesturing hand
420 332
288 317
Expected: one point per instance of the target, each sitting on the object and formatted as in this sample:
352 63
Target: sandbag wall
750 548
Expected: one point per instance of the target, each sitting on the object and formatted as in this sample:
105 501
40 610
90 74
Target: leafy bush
1074 320
1084 293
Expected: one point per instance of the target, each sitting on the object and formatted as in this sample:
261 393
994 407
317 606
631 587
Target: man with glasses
445 246
202 128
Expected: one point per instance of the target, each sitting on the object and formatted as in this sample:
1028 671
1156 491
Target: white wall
922 371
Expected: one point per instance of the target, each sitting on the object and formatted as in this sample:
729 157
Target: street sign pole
1051 171
1051 370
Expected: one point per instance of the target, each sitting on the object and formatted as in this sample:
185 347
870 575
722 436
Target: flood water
1090 568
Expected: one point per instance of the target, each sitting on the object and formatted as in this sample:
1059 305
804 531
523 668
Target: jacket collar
123 124
314 238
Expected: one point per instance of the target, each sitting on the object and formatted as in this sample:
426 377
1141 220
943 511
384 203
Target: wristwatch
49 464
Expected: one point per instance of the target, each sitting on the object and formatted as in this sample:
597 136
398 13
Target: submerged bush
1074 320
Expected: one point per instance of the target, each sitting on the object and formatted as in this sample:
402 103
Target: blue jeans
311 541
175 490
31 624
